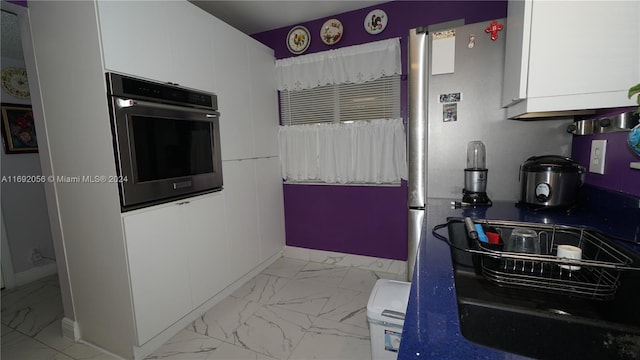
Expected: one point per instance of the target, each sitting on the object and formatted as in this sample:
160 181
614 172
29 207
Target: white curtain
361 152
353 64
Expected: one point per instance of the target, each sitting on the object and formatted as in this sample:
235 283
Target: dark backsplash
619 212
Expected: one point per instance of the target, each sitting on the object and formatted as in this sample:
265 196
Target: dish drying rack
595 276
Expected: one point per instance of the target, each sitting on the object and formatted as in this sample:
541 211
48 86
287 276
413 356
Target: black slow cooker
550 181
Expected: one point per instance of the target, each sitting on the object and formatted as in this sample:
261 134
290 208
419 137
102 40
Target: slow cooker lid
553 163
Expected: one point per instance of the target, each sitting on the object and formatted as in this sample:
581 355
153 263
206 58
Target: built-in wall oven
166 140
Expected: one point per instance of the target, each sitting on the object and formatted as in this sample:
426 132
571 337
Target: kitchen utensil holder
600 266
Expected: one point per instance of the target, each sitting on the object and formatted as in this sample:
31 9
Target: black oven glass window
169 148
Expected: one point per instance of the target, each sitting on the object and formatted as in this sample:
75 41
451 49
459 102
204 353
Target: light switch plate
598 152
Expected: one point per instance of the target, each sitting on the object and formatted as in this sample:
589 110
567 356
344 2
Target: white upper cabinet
169 41
264 98
570 55
231 66
517 53
131 48
192 46
248 100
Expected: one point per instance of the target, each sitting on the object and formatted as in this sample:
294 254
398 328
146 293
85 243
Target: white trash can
385 313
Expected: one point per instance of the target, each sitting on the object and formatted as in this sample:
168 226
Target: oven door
164 152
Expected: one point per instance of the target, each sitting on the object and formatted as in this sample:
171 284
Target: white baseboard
36 273
70 329
397 267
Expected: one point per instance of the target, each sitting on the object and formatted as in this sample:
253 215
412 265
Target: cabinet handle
183 203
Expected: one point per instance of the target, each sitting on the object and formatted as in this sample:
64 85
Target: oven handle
123 103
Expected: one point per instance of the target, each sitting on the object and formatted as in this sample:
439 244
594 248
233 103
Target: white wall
73 111
24 207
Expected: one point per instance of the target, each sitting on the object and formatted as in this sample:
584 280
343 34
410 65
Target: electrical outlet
36 257
598 152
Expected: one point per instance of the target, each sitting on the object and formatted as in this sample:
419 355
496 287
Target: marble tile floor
293 309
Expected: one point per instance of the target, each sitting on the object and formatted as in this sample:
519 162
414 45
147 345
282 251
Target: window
340 111
376 99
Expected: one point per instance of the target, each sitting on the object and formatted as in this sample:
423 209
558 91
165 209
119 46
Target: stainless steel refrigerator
455 94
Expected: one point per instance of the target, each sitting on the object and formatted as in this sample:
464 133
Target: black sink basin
545 325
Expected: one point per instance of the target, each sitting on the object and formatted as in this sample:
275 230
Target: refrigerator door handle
416 130
416 217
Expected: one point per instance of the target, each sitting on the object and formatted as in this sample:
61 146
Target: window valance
353 64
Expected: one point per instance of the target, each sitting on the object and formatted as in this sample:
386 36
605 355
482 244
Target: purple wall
617 174
403 15
18 2
364 220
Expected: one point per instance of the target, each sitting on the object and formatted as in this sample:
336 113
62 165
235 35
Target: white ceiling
254 16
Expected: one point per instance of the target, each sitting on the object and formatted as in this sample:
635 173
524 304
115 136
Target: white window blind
377 99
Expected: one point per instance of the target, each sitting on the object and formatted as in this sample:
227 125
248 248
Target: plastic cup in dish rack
569 252
523 241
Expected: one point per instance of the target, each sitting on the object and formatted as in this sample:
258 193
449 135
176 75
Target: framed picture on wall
18 129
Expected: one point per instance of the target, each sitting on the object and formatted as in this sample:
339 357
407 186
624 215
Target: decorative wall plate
15 82
298 40
376 21
331 31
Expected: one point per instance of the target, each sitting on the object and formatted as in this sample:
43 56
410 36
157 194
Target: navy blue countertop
431 327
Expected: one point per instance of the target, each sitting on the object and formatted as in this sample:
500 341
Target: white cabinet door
270 206
136 38
178 259
264 100
558 60
241 214
233 84
206 241
168 41
582 58
159 273
192 46
517 52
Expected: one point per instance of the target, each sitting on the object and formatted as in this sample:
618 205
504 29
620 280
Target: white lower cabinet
178 258
254 209
241 214
207 250
270 206
157 268
182 254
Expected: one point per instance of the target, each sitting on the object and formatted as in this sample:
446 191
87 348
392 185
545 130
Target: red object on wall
493 29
